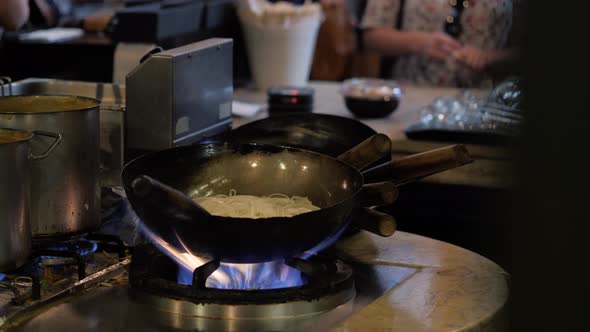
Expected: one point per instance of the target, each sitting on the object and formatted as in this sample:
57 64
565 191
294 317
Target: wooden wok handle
166 198
419 165
375 222
378 194
367 152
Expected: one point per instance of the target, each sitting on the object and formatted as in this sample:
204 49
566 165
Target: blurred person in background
33 14
49 13
440 42
13 13
337 56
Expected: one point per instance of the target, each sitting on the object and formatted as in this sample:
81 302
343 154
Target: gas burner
65 253
76 249
56 256
329 284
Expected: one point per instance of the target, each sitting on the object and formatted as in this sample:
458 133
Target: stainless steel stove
149 290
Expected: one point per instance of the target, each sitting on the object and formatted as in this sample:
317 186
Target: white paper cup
280 55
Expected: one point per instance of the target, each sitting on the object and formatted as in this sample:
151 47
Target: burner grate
153 272
58 253
329 286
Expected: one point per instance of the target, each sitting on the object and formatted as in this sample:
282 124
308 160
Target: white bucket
280 55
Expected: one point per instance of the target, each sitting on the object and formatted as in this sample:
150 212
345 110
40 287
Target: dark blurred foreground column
550 231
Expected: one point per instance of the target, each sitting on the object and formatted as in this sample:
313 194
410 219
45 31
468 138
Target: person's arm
392 42
504 20
380 35
478 59
13 13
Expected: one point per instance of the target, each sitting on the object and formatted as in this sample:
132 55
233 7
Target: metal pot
65 197
15 181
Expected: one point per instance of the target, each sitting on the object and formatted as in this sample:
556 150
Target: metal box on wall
180 96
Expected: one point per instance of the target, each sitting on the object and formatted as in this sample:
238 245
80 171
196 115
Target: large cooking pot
65 195
15 181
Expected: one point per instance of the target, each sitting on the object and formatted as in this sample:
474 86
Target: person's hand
437 46
473 57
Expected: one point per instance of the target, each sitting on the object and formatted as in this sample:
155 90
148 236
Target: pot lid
14 135
45 104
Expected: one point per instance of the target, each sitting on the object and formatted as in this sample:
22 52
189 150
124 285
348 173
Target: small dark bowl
370 97
371 108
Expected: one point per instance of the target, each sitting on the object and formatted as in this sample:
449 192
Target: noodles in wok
248 206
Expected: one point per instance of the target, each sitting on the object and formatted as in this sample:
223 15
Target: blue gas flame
268 275
73 247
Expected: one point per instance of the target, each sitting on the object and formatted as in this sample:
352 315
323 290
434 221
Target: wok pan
333 185
327 134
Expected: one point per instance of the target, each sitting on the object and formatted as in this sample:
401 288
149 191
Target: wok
327 134
336 186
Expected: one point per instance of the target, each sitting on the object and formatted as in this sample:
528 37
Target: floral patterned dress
486 24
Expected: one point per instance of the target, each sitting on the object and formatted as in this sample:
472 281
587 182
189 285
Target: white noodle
248 206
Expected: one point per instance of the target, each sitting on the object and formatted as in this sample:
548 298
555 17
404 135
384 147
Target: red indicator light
293 100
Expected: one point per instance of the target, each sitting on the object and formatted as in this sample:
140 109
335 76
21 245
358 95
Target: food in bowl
370 98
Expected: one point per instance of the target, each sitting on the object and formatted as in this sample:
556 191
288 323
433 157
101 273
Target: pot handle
377 194
417 166
367 152
375 222
53 145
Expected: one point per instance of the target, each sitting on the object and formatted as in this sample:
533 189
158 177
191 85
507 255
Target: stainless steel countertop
453 289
